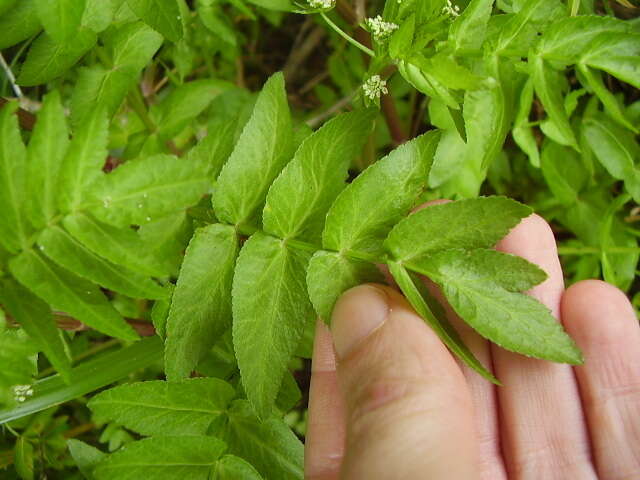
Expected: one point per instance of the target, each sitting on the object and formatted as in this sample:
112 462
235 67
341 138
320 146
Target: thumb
409 410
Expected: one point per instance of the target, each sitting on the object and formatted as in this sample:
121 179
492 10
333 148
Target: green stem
352 41
137 104
86 354
92 375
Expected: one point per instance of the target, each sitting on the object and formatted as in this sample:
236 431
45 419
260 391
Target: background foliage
126 112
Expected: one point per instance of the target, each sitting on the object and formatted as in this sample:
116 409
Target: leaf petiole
349 39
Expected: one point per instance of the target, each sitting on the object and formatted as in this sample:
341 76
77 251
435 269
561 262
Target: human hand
396 405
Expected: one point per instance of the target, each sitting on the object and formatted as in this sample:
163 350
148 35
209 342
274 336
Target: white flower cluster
374 87
379 28
451 9
321 3
22 392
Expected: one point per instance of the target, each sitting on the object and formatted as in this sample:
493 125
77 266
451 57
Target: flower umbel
374 87
321 3
451 9
22 392
379 28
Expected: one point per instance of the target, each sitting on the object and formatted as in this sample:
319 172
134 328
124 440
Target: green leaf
48 59
164 408
563 171
65 291
19 23
87 377
364 213
214 18
546 82
23 458
83 162
201 306
98 14
568 38
160 313
299 198
67 252
61 18
18 360
231 467
448 159
616 149
432 313
617 54
163 458
522 132
122 246
212 151
474 223
85 456
468 29
187 102
611 104
331 274
13 232
270 446
46 150
132 46
511 320
520 32
146 189
163 16
270 310
486 124
401 41
263 149
35 318
481 265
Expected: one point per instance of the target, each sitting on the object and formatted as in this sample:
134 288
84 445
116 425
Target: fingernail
358 313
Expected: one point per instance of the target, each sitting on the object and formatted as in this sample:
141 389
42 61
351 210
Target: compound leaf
67 252
481 265
69 293
331 274
270 311
61 18
263 149
270 446
12 181
46 150
163 408
299 198
474 223
19 23
146 189
432 313
163 458
163 16
511 320
231 467
85 456
468 29
132 46
35 318
122 246
362 215
48 59
201 306
83 162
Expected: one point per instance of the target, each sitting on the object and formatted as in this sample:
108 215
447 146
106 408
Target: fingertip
596 312
358 313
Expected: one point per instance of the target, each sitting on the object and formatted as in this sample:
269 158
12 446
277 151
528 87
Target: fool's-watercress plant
153 195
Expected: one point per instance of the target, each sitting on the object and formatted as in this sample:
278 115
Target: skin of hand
388 401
